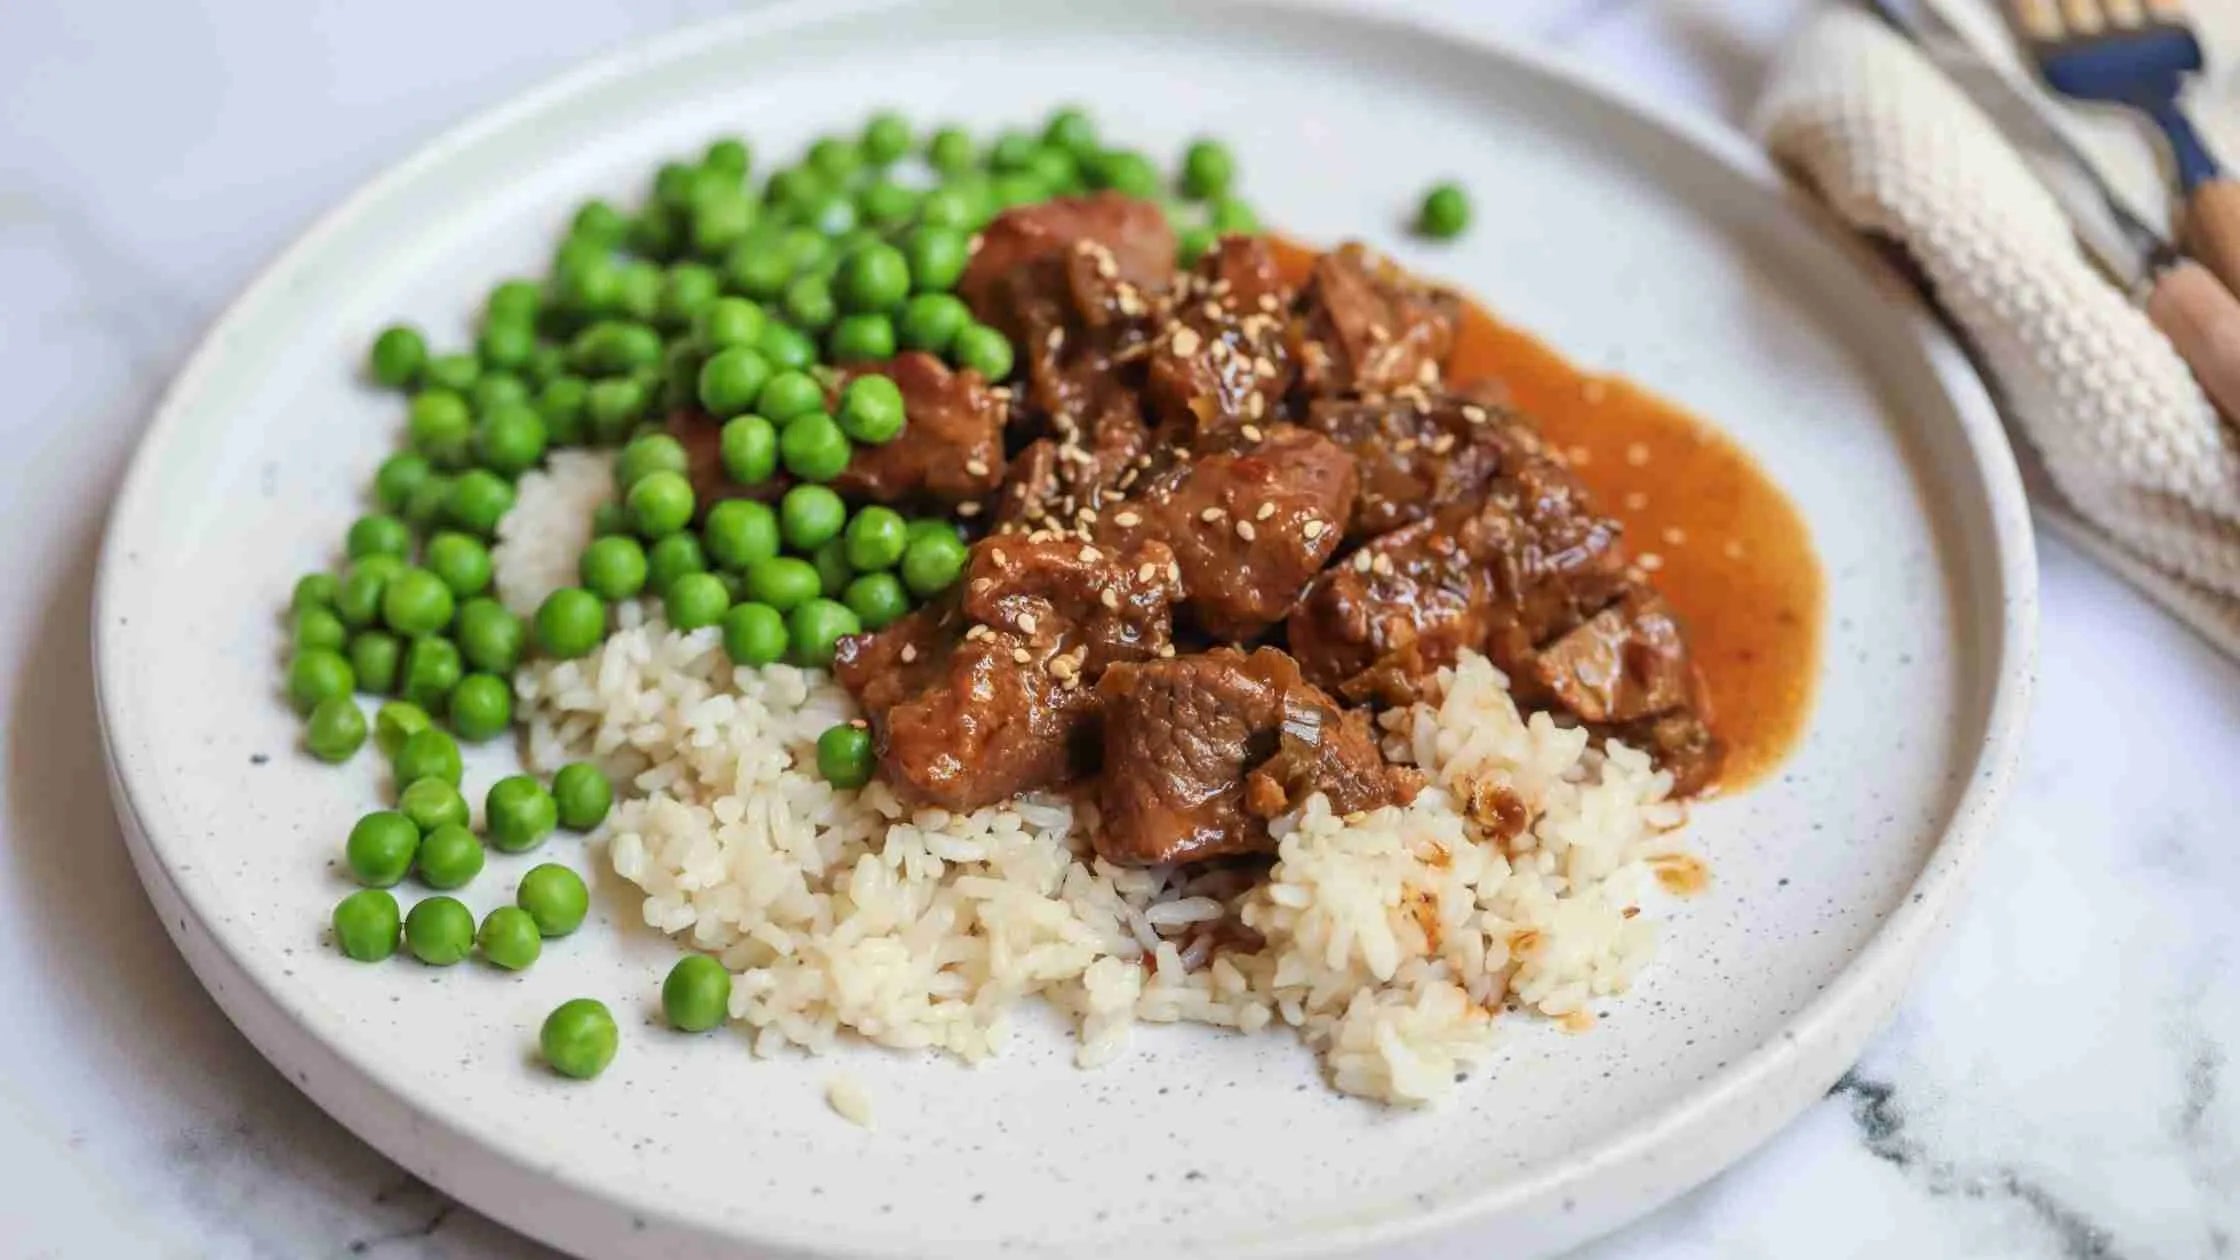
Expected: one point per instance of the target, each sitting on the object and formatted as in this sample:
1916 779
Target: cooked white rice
1388 940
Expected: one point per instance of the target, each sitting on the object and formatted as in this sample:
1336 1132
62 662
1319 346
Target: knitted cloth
2126 453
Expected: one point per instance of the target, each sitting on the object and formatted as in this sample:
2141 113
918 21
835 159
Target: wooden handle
2213 229
2202 319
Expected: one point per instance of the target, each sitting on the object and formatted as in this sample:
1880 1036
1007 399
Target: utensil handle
2213 228
2202 319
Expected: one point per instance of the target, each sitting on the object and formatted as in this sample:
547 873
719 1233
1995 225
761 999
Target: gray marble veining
2058 1084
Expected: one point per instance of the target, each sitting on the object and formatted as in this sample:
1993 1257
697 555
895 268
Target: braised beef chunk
1222 363
951 448
991 692
1129 235
1200 751
1418 451
1503 576
1623 663
1680 742
1363 326
1250 528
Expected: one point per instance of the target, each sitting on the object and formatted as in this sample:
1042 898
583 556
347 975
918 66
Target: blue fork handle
2196 164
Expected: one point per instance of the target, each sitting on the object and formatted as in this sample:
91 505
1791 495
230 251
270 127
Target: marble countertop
2059 1082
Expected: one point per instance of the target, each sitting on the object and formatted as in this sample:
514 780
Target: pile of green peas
739 296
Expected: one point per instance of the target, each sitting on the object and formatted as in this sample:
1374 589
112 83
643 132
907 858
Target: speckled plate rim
1594 1190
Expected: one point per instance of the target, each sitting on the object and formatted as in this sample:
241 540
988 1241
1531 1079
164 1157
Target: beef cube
1222 363
991 691
950 451
1125 242
1201 751
1418 451
1626 662
1363 326
1250 529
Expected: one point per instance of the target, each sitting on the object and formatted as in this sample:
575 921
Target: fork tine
2082 17
2039 19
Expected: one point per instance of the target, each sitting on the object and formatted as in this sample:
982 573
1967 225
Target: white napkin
2127 454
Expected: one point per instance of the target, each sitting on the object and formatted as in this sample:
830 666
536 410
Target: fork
2136 54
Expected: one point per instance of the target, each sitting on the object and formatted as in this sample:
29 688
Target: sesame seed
1312 529
1026 623
1427 372
1174 572
1594 390
1637 454
1021 656
983 583
1580 456
1056 339
1405 446
1382 564
909 653
1109 597
1251 432
1211 515
1166 651
1268 303
977 467
1674 536
1127 520
1185 341
1361 561
1635 500
1256 406
1064 667
1090 555
1651 561
1266 510
1443 443
1244 530
1474 413
1211 310
1147 572
968 508
1264 366
977 631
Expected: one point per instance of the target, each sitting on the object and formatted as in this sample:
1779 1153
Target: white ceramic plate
1643 244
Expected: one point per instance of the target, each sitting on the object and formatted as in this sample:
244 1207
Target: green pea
874 278
462 563
490 637
834 215
1018 188
432 803
982 349
555 897
817 627
675 556
439 931
740 532
336 730
509 938
1192 244
450 857
871 409
1445 212
1127 172
455 372
876 539
545 364
640 291
808 515
481 707
732 322
431 670
427 753
314 590
687 291
782 583
366 925
1206 170
1012 151
317 675
877 599
374 658
749 449
887 204
378 535
719 222
515 300
932 564
925 525
757 270
319 628
563 406
653 452
754 634
585 286
570 623
398 476
948 208
416 602
659 504
729 155
613 568
886 138
786 347
398 356
1055 168
695 600
844 755
1231 217
497 390
582 795
731 380
788 394
934 258
930 322
808 303
519 813
578 1039
598 221
697 995
357 598
813 448
613 406
833 570
863 339
951 151
506 344
510 439
614 348
441 427
393 723
479 499
380 848
426 508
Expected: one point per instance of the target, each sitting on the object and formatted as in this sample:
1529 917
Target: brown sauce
1722 542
